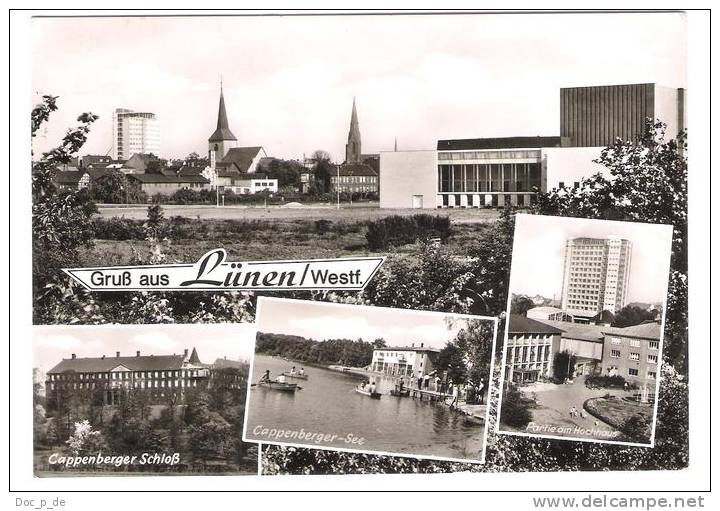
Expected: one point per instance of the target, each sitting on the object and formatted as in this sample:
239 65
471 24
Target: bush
616 381
636 427
118 229
401 230
322 226
515 412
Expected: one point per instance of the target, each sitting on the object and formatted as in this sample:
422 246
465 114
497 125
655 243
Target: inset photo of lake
370 379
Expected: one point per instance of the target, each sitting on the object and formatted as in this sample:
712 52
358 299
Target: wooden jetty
430 395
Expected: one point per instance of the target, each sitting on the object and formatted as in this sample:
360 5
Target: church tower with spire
222 138
353 146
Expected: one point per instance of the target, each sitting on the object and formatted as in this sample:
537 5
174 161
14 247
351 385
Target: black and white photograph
371 379
129 400
415 137
584 329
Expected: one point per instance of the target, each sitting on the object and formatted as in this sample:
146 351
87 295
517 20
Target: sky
289 81
321 321
538 254
52 344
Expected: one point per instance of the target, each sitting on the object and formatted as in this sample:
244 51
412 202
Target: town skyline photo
289 81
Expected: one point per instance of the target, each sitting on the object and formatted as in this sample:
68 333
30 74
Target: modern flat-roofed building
530 349
495 172
595 116
596 275
412 360
134 132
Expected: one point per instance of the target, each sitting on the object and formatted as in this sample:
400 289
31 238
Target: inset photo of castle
584 329
141 400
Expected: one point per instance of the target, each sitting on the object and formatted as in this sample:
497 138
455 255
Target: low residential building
153 184
415 361
530 349
109 379
584 341
633 353
72 180
355 178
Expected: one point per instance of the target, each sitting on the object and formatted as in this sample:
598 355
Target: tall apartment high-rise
596 275
135 132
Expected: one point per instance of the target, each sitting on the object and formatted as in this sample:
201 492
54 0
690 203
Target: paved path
554 403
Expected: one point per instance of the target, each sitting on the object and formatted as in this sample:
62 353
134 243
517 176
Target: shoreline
474 413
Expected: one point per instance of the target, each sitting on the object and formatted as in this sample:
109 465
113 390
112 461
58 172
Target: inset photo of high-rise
584 329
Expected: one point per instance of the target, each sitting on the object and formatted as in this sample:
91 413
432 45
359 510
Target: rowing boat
297 376
373 395
400 393
276 385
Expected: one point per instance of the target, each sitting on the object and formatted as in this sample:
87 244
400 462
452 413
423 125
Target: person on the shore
266 376
419 381
426 379
437 383
455 391
479 392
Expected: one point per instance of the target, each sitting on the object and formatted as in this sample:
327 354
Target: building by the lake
416 361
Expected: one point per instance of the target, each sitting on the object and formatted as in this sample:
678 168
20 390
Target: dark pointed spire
194 359
353 147
222 132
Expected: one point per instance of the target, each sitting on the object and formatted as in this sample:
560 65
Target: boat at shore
365 392
297 376
400 393
277 385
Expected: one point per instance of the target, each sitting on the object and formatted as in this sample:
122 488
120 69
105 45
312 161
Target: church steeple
353 146
222 132
222 138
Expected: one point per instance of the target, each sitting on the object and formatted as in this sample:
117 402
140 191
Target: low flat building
551 313
355 178
530 349
153 184
415 361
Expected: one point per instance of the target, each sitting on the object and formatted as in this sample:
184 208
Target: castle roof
137 363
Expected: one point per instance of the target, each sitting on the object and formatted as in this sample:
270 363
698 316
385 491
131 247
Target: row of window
151 384
127 375
488 155
635 343
651 359
521 177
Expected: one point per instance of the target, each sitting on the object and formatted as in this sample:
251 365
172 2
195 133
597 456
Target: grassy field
357 212
277 233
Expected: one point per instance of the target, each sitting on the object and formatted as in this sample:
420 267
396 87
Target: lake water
328 404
